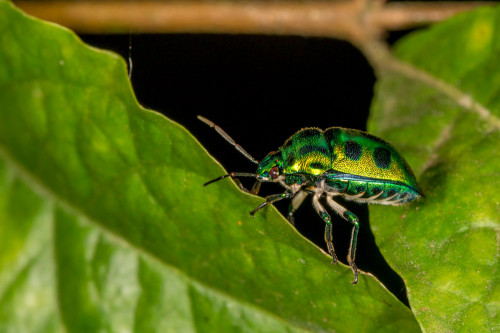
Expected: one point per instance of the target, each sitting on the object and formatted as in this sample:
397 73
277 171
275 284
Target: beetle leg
328 228
297 200
347 215
240 185
272 199
256 187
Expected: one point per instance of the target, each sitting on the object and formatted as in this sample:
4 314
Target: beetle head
269 168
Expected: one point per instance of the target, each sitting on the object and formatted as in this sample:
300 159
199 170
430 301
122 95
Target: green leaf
440 103
104 224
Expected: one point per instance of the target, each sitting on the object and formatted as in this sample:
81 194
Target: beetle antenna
228 139
232 174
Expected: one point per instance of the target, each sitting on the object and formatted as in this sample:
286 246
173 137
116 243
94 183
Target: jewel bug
333 162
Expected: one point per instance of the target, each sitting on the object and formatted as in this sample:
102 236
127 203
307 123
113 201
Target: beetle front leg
347 215
272 199
328 227
256 187
297 200
240 185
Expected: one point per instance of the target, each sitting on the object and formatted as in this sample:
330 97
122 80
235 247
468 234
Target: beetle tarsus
355 271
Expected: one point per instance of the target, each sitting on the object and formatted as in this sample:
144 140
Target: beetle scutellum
334 162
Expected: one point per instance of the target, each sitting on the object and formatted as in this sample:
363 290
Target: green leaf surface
104 224
440 103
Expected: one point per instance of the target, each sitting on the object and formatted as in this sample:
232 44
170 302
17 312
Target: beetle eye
274 173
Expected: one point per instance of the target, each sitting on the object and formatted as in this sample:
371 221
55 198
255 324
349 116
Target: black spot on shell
382 157
333 135
307 149
307 133
353 150
290 159
317 165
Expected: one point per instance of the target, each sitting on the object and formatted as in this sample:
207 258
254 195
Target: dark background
261 90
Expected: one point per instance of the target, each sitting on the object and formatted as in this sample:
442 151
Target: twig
353 20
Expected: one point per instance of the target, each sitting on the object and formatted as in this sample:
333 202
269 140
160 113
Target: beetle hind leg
328 227
353 219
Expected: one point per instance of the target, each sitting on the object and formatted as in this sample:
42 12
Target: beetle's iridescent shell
346 154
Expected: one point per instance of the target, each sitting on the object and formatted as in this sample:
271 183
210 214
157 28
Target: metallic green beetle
334 162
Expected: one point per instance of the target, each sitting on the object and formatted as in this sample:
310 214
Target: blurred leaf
441 105
105 225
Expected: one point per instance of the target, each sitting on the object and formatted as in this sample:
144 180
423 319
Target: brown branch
353 20
405 15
